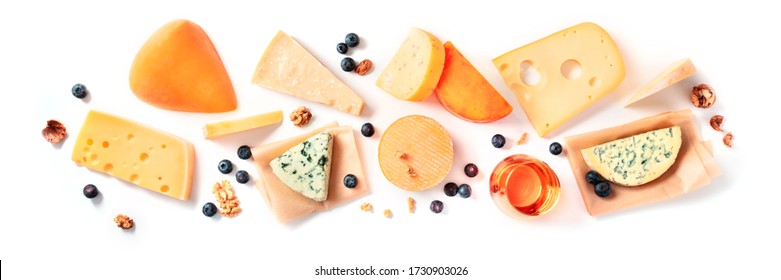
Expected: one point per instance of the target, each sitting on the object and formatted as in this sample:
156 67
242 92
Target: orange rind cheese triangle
179 69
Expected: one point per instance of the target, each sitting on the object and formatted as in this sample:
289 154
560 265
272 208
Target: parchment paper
694 168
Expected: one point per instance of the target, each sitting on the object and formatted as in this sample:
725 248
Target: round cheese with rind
415 153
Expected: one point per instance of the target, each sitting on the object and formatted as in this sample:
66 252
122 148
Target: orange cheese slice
179 69
465 93
135 153
288 205
674 73
414 71
558 76
415 153
288 67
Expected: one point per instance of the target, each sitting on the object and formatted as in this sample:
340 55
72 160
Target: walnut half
715 122
124 222
703 96
54 131
301 116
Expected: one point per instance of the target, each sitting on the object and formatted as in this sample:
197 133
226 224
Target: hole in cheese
94 158
529 74
130 137
593 82
164 188
134 178
570 69
163 146
108 168
89 142
144 156
105 144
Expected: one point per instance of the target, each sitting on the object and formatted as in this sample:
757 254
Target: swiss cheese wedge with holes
577 66
136 153
414 71
674 73
287 67
415 153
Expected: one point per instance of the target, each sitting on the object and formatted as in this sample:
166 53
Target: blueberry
602 189
90 191
436 206
242 177
350 181
555 148
351 40
592 177
209 209
464 190
79 91
348 64
498 141
470 170
341 48
225 166
244 152
451 189
367 130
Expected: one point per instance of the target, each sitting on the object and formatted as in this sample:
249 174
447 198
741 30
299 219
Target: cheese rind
306 167
415 69
465 93
635 160
674 73
560 94
178 68
415 153
287 67
213 130
136 153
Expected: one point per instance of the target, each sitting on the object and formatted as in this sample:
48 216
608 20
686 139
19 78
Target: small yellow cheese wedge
136 153
414 71
214 130
674 73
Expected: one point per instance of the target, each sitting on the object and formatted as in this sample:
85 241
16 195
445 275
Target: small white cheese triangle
306 167
637 159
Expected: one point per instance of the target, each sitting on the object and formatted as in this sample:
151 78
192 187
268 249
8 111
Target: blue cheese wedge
306 167
637 159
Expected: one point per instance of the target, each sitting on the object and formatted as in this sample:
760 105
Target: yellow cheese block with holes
214 130
674 73
136 153
414 71
288 67
558 76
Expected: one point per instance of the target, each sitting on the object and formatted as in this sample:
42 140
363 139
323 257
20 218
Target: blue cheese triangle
637 159
306 167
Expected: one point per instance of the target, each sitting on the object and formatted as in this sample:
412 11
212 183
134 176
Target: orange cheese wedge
179 69
674 73
465 93
415 153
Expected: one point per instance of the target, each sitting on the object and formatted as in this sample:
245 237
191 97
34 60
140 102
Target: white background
49 230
